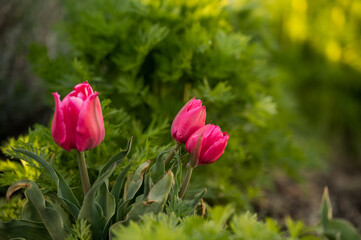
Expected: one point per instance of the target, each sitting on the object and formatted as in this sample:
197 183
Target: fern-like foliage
221 224
80 231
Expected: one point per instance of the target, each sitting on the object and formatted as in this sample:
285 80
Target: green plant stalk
83 172
171 154
186 182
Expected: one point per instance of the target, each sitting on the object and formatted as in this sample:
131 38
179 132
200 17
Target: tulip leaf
158 169
106 200
25 229
49 216
155 200
332 227
64 191
58 205
118 158
135 183
29 212
107 203
121 210
91 210
118 185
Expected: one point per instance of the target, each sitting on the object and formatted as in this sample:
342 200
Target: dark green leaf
155 200
23 229
64 191
91 210
117 187
135 183
118 158
50 217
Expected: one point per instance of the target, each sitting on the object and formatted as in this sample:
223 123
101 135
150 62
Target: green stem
186 182
83 172
171 154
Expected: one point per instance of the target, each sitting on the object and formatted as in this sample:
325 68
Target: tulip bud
78 120
212 144
189 119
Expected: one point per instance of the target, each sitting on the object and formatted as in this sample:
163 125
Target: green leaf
118 185
118 158
335 228
107 203
135 183
106 200
326 209
50 217
91 210
64 191
155 200
158 169
342 229
23 229
30 213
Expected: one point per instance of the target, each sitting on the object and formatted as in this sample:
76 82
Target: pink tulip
78 120
212 143
189 119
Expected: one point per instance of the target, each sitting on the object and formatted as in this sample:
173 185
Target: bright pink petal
211 135
58 130
177 118
192 139
71 108
90 127
214 152
190 122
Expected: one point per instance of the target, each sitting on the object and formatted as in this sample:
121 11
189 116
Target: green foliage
333 228
12 209
80 231
149 57
219 225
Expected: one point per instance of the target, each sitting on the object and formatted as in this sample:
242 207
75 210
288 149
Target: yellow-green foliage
219 225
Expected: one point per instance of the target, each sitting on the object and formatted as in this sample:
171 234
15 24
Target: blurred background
283 77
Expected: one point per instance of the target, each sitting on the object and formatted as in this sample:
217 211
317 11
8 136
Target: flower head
212 143
78 120
189 119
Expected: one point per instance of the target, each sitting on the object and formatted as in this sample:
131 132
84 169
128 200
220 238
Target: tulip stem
186 182
83 172
171 154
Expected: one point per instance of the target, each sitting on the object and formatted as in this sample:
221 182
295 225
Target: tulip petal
58 130
177 118
190 122
214 152
192 139
211 135
71 109
90 126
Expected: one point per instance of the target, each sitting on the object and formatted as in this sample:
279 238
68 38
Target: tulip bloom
78 120
212 144
189 119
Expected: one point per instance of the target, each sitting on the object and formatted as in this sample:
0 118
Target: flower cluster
78 124
189 127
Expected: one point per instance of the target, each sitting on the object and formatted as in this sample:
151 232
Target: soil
302 201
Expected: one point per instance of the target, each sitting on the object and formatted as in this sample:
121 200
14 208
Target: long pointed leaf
106 200
23 229
117 187
51 219
155 200
91 209
64 191
135 183
118 158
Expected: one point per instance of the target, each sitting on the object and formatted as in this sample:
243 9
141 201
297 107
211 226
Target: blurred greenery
282 77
